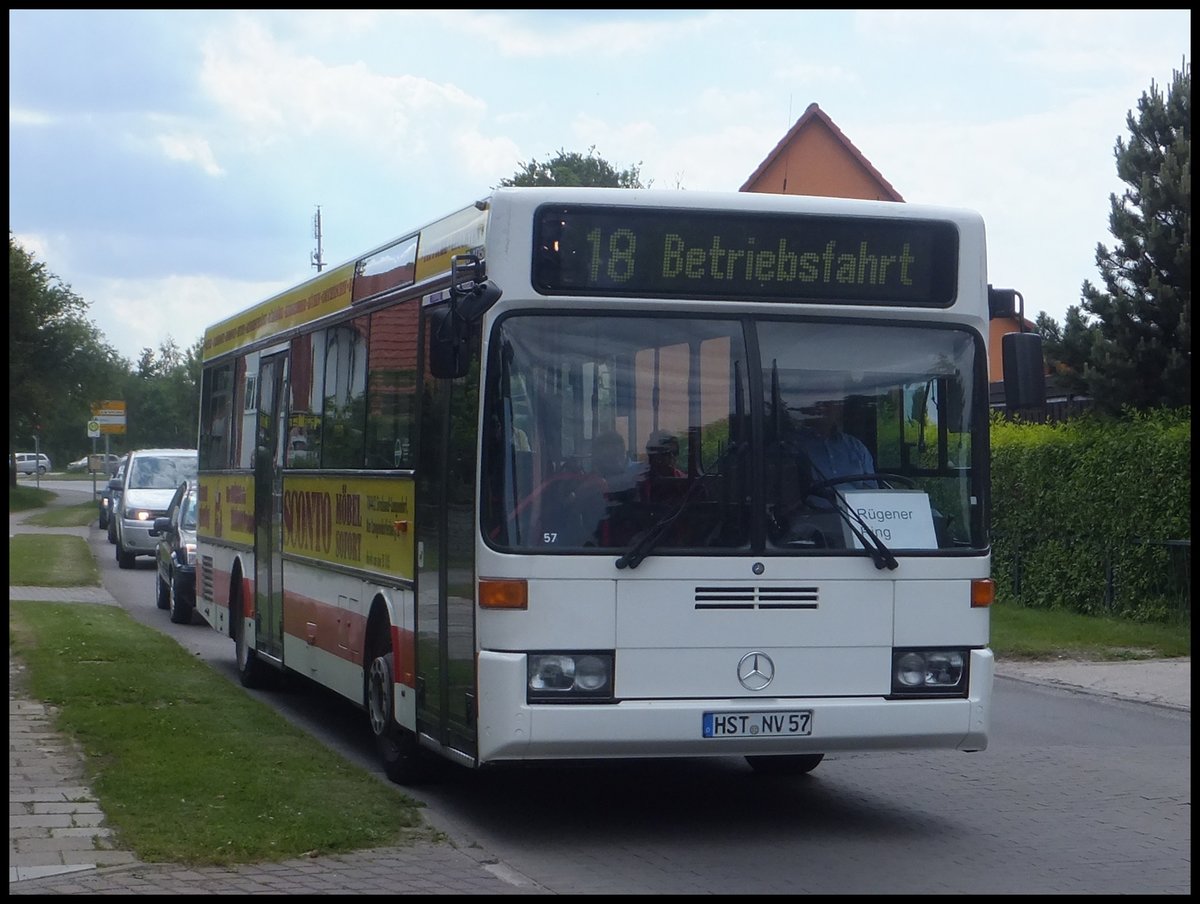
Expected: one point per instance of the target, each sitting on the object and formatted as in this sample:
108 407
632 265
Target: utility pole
318 256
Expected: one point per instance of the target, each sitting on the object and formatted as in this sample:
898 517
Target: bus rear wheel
789 764
403 760
251 672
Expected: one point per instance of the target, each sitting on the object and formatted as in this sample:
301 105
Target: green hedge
1082 511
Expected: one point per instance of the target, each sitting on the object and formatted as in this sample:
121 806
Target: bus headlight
569 677
929 672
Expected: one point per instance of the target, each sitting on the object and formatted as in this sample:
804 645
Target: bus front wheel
403 760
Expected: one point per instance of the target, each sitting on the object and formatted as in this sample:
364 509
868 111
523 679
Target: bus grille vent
750 597
206 579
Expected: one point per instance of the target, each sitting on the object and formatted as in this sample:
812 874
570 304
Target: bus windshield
730 435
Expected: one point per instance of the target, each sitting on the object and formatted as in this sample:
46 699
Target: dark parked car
175 587
105 501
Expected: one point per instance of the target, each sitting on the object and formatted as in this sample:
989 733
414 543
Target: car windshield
187 511
161 473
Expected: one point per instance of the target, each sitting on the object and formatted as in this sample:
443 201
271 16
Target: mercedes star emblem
755 670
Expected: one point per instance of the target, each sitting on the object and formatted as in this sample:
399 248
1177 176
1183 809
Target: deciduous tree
575 169
57 361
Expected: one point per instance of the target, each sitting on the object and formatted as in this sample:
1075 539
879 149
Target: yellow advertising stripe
360 522
311 300
459 233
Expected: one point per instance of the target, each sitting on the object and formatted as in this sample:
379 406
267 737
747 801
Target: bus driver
832 451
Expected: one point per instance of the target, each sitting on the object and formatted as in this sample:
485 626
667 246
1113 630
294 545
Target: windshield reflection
599 427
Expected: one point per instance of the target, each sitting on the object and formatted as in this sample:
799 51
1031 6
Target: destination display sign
682 253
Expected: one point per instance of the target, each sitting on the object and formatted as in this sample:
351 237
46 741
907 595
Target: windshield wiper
645 542
880 554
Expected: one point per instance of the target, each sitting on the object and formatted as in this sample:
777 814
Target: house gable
816 158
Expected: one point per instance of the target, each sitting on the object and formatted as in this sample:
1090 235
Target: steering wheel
562 499
877 476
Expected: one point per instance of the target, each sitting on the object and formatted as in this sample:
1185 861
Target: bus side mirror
1003 303
449 351
1024 371
470 298
473 303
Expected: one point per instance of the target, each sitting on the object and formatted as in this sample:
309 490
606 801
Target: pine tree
1068 349
1141 358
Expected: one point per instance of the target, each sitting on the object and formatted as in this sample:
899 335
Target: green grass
51 560
24 497
101 478
80 515
1021 633
187 767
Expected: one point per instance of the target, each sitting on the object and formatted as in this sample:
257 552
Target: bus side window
214 439
343 434
391 386
306 380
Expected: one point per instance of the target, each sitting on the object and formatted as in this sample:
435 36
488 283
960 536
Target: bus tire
162 593
403 760
250 670
789 764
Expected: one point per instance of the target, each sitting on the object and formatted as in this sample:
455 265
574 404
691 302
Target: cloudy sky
167 164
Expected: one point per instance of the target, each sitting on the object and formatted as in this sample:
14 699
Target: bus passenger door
445 538
268 499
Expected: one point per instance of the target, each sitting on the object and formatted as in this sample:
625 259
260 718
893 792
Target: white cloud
277 96
191 192
18 116
190 149
37 245
142 313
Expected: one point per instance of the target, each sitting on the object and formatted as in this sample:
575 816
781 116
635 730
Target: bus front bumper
666 728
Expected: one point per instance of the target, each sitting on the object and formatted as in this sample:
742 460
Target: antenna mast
318 257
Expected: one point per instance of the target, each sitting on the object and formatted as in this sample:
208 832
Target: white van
29 462
151 476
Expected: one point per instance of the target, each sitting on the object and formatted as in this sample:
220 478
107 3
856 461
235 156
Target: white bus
426 480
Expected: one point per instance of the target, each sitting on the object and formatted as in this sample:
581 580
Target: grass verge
80 515
22 498
1021 633
51 560
187 767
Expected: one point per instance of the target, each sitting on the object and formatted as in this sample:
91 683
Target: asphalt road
1076 794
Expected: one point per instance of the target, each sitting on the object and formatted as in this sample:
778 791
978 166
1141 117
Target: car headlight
569 677
189 551
138 515
935 672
